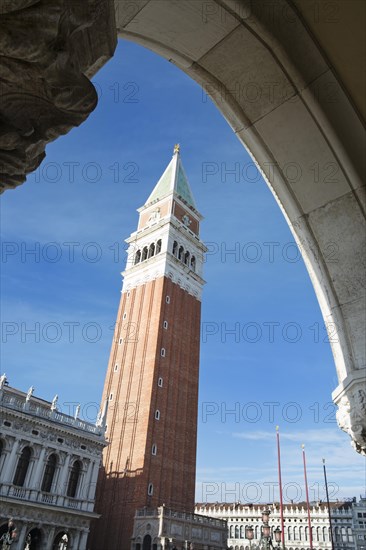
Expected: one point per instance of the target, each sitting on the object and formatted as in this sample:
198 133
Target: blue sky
265 358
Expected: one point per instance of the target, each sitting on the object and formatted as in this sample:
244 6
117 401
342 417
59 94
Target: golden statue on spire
176 148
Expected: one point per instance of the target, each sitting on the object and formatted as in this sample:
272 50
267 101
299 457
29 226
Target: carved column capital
350 396
48 49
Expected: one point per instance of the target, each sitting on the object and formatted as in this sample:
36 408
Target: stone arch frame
39 528
60 532
325 215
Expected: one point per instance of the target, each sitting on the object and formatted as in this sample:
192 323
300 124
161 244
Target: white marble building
165 529
346 527
359 523
49 464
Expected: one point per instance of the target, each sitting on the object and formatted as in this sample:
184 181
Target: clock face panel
186 220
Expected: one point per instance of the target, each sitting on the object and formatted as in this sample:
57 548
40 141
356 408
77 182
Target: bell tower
152 379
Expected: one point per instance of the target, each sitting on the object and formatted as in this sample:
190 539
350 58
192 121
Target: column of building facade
63 479
21 535
83 540
35 484
93 484
9 464
76 542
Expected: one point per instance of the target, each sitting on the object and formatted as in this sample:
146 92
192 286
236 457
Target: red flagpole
307 497
280 485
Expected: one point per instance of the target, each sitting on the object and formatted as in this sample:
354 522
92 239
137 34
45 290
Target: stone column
35 484
63 479
83 540
93 482
9 466
22 533
76 541
51 536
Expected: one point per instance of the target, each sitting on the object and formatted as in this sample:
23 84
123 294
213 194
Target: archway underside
270 80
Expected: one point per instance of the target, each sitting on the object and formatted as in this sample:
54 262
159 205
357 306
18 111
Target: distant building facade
49 464
348 524
359 523
166 529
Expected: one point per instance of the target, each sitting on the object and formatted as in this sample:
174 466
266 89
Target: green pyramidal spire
174 180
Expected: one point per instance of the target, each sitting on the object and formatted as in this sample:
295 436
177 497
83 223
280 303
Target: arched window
175 248
237 531
186 257
306 533
144 253
300 532
49 473
151 250
242 532
344 534
158 247
138 257
74 479
350 534
180 253
337 534
318 534
193 263
22 467
146 545
61 542
325 534
231 531
288 533
295 533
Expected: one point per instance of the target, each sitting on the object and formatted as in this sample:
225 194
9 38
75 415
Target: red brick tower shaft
152 379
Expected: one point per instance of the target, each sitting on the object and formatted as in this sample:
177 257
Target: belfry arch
274 73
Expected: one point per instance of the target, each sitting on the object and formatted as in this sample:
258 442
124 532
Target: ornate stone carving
351 414
48 48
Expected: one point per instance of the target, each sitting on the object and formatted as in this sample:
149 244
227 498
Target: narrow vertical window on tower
158 247
165 324
167 299
150 489
160 382
162 352
137 257
154 449
157 415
